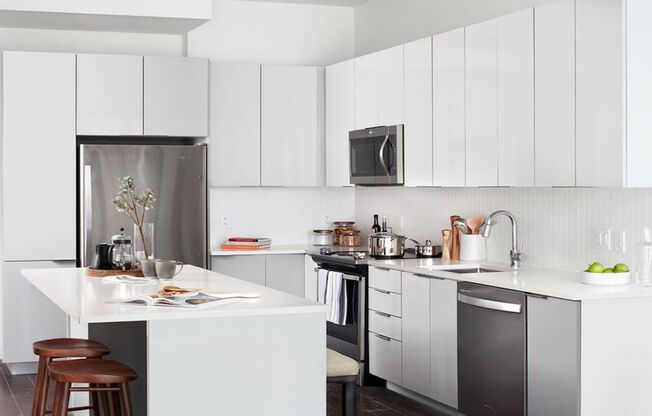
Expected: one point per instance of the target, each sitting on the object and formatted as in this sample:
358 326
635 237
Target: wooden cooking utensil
455 238
446 244
474 223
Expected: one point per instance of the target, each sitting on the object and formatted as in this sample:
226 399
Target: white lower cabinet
385 358
416 334
553 368
443 341
276 271
27 314
310 278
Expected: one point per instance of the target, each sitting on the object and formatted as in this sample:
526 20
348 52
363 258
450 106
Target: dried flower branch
134 204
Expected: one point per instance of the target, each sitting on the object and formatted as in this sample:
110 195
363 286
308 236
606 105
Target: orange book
238 247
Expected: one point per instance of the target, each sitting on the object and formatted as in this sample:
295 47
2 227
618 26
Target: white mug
473 247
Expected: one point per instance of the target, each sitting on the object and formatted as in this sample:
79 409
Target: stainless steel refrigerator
176 173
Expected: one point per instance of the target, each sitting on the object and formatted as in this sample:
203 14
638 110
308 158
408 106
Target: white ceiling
346 3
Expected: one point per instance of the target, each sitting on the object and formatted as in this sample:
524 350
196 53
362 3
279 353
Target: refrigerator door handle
88 214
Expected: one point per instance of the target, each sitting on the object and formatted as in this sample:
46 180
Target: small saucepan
427 250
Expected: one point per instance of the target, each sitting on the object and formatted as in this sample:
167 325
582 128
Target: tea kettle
103 257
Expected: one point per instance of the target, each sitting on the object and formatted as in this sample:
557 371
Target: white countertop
275 249
83 297
546 282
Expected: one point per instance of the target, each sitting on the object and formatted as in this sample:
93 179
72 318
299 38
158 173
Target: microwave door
365 164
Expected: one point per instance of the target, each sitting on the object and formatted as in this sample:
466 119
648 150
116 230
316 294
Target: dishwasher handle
490 304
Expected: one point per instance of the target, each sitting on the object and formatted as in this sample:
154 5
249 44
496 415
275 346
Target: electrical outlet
225 221
619 239
603 239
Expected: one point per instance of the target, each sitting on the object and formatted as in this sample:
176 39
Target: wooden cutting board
103 273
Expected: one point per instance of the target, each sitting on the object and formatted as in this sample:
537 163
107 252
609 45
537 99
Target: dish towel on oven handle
336 297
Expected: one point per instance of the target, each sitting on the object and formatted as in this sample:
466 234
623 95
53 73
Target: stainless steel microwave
377 155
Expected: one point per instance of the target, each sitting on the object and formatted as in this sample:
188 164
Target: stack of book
243 243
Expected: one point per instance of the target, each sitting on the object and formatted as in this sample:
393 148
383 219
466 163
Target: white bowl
606 279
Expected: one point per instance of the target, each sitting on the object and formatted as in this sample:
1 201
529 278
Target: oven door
377 156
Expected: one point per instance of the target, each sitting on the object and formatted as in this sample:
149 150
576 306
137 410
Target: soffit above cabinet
140 16
340 3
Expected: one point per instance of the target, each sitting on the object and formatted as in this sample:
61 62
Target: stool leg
61 398
349 399
41 389
95 400
115 396
105 401
126 399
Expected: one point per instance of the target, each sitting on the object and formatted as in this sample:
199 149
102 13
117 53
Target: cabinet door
310 279
554 102
249 267
418 113
443 341
553 367
515 62
481 105
366 91
385 358
449 130
286 273
416 333
39 173
234 124
109 95
176 96
340 120
292 126
27 314
390 86
600 137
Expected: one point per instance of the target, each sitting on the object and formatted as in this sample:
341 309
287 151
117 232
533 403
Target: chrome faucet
515 253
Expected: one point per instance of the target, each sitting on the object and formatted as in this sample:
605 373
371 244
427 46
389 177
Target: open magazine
183 300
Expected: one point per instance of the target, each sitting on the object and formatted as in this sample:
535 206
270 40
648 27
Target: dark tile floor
377 401
16 399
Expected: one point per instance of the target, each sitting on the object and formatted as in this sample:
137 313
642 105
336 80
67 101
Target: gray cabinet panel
286 273
416 333
553 361
250 268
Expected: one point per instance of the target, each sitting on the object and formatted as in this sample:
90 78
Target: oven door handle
352 277
381 156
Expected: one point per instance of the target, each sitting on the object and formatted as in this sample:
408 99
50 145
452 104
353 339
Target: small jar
322 237
351 238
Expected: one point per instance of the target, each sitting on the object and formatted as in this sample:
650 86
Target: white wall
90 42
274 33
286 215
557 225
380 24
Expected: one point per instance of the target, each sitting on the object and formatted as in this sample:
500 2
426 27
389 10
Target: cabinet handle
382 268
383 314
534 295
384 338
384 292
429 277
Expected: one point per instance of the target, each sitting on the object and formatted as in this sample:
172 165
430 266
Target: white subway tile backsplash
556 224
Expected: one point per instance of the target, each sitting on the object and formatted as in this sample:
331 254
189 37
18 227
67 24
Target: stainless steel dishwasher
491 334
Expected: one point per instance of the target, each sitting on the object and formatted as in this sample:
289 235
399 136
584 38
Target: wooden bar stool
102 376
344 370
51 349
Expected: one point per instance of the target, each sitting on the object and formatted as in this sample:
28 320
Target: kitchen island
262 356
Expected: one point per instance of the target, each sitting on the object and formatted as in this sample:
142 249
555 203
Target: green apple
595 268
608 270
621 268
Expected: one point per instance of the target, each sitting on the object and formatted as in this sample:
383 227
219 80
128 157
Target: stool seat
339 365
70 348
92 370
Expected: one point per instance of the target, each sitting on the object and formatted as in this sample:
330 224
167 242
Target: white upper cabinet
234 124
390 86
418 112
109 95
366 91
554 101
481 105
379 88
600 96
38 156
449 131
340 120
515 61
292 126
175 96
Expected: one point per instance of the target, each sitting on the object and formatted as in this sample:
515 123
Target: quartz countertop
545 282
274 249
83 298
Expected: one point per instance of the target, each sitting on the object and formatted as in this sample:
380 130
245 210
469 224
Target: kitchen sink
471 270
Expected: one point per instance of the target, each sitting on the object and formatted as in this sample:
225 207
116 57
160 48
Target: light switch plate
602 238
225 221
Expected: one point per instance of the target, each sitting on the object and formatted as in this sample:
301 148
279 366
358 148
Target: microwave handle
380 154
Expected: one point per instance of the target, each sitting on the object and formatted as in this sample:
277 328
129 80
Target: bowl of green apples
597 274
